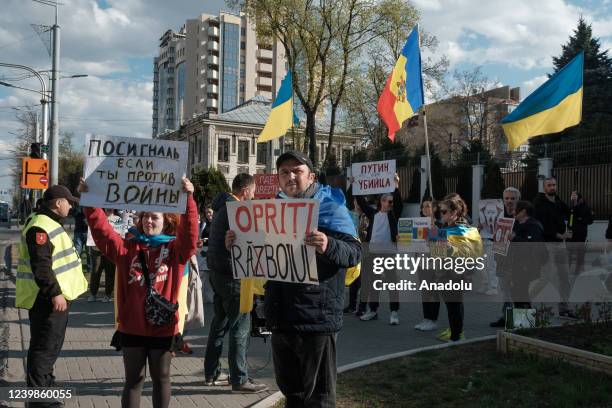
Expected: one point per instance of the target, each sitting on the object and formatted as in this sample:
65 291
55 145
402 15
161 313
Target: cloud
527 87
522 34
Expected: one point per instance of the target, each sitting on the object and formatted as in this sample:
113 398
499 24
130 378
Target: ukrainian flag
554 106
403 93
281 117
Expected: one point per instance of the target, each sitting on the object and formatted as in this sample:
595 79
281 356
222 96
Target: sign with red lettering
501 237
373 177
266 185
135 173
270 239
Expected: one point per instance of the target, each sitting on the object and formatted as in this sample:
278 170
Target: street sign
35 173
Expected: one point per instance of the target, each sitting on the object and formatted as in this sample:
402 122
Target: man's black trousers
47 331
305 368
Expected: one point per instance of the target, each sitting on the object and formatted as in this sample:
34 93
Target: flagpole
426 137
427 154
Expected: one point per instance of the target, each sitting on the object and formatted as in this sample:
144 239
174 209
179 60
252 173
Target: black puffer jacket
218 257
291 307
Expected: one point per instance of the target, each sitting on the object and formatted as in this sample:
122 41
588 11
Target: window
223 150
262 153
243 151
241 87
242 45
242 73
242 59
243 31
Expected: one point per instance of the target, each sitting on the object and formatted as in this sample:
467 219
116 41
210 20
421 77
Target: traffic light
35 151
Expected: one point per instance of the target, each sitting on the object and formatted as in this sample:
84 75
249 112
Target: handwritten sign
489 212
136 174
270 239
373 177
501 238
266 185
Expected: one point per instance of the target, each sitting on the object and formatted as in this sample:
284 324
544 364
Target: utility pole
54 148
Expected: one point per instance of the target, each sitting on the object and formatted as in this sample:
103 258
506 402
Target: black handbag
159 311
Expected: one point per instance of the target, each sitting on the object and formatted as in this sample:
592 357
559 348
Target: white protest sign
373 177
489 212
270 239
136 174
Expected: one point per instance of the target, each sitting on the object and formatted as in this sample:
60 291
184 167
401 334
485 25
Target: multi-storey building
212 65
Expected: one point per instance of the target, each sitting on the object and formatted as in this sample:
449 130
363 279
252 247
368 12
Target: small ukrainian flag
281 117
554 106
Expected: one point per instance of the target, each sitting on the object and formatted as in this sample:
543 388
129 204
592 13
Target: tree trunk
332 126
310 141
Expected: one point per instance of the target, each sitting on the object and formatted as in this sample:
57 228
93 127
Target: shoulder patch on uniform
41 238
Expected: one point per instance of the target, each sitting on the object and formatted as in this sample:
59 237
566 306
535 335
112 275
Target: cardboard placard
270 239
373 177
133 173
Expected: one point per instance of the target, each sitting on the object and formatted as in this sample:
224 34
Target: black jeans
47 332
101 263
305 368
454 305
227 318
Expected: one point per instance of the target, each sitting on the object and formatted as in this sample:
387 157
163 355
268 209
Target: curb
269 401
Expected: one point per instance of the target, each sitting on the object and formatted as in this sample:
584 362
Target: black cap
58 191
294 154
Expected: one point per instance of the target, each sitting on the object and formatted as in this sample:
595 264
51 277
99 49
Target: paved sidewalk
88 364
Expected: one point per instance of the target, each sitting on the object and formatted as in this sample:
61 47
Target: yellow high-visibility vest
66 264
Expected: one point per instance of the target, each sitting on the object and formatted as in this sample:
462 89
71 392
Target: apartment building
211 65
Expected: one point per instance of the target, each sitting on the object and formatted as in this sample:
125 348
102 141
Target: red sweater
167 261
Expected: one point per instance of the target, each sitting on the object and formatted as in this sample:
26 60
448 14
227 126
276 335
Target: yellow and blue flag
281 117
403 93
554 106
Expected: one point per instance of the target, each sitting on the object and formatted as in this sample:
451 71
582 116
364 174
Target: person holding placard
430 299
382 231
150 266
305 318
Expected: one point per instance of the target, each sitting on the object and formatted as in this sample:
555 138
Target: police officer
49 276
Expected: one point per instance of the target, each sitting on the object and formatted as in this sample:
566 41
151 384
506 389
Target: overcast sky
114 42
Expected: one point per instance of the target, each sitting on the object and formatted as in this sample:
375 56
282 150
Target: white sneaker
491 292
369 315
91 298
106 299
394 319
426 325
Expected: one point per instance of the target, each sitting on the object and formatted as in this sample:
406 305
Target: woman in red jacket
166 242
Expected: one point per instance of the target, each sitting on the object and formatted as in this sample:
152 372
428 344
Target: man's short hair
513 190
549 179
242 180
524 205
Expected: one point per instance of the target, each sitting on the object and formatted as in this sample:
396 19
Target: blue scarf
150 240
333 214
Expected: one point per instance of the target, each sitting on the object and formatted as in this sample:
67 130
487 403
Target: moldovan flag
403 93
554 106
281 117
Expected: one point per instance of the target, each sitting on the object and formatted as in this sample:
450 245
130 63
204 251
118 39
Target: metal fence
594 182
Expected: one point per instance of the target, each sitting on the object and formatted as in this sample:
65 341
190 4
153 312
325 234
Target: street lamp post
43 94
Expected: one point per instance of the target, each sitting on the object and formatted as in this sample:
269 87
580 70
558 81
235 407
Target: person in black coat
526 253
581 216
382 231
304 318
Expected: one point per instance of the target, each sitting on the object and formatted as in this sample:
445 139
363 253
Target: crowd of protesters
163 247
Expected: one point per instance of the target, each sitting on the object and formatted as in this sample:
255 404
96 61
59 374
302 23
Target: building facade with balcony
228 141
222 64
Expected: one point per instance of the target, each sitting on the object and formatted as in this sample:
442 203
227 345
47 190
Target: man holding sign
305 318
